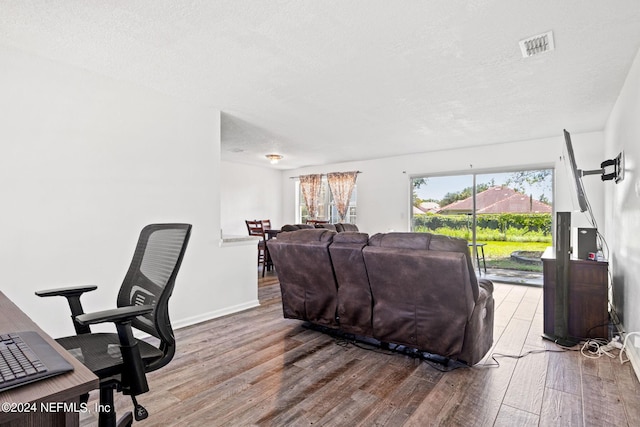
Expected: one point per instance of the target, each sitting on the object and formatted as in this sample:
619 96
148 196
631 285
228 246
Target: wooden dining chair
268 262
256 228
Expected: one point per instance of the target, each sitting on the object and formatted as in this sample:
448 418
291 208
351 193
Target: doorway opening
505 216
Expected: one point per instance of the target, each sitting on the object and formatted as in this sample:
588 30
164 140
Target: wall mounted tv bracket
616 163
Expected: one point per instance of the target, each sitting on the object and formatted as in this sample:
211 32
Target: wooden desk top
62 388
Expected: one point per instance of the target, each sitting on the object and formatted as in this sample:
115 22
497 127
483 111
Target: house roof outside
498 199
426 207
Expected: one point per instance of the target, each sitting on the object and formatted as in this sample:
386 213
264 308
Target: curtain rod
321 174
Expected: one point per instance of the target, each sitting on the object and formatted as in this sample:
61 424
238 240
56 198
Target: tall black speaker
563 255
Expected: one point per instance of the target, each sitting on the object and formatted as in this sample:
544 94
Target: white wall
85 163
249 192
384 193
622 133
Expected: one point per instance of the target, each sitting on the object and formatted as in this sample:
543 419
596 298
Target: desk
64 388
481 246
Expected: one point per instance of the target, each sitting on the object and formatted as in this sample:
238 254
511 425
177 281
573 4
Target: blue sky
437 187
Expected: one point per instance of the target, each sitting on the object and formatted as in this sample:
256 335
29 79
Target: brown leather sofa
414 289
294 227
339 227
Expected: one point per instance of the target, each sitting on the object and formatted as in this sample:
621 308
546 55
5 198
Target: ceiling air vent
537 44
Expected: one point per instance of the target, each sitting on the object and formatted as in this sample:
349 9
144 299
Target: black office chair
120 360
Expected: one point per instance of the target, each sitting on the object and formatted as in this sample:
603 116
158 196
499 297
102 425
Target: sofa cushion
327 226
295 227
307 235
401 240
432 242
342 227
453 244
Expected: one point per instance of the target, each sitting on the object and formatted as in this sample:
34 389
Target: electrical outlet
636 341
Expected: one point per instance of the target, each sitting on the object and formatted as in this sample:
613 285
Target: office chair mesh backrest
151 278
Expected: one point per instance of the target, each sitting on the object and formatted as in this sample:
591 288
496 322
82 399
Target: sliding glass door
505 216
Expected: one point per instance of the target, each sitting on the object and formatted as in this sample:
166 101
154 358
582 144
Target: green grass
500 249
498 254
509 264
499 246
482 234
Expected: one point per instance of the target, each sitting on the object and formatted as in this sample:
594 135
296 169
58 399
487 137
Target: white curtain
341 185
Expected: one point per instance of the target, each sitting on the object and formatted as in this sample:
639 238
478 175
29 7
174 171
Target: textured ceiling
339 80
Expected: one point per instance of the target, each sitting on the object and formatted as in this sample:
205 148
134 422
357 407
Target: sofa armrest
486 284
478 337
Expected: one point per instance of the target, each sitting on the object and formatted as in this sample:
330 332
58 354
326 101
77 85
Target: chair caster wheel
140 413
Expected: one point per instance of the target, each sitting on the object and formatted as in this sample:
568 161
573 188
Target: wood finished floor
257 368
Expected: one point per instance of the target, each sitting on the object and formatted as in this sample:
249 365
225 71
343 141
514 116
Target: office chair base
107 416
140 413
126 420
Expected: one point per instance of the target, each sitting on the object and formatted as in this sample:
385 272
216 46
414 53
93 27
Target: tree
517 180
417 183
463 194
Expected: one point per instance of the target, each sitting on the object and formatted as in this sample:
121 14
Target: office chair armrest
66 292
133 377
116 315
72 294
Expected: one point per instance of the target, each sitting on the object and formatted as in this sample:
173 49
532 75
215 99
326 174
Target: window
507 214
326 207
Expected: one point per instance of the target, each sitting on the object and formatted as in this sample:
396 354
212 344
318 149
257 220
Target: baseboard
634 358
630 351
214 314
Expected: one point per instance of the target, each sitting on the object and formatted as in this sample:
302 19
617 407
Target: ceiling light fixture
537 44
274 158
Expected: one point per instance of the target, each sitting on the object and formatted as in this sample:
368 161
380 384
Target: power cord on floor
624 347
520 356
591 349
596 348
